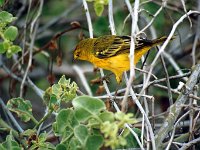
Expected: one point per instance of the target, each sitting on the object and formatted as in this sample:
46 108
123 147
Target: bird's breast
119 63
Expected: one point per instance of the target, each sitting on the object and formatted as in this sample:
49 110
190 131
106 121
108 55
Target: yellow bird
111 52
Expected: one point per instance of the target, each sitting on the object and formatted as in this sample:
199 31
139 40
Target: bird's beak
75 57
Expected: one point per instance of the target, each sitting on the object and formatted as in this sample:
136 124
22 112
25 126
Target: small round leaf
94 142
1 3
11 33
81 133
15 49
98 8
2 49
6 17
86 107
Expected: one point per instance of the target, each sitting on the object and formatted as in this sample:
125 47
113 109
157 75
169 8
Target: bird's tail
160 40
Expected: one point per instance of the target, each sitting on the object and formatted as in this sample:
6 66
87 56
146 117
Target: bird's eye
77 54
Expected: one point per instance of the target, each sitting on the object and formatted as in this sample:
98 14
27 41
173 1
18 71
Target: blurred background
53 57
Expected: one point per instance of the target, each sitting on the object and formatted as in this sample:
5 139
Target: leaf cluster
99 6
88 125
85 125
8 33
63 91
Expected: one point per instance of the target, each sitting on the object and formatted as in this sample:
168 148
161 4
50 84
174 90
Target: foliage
99 6
86 125
90 125
64 91
21 107
1 2
8 34
58 118
10 143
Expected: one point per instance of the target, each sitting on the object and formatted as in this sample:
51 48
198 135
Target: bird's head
83 49
77 52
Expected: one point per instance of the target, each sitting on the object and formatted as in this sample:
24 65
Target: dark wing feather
111 45
142 43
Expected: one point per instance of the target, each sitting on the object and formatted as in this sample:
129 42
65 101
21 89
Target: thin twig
60 17
25 30
174 130
154 17
134 17
174 64
196 38
145 72
165 44
102 74
175 109
34 26
15 123
89 21
167 80
110 16
135 99
83 79
29 83
185 10
187 145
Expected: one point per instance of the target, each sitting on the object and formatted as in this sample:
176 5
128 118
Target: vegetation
50 101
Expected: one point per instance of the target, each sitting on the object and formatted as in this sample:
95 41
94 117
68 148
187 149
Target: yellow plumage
111 52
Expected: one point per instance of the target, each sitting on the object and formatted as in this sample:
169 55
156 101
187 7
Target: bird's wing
108 46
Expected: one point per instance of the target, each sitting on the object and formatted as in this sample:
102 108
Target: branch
187 145
83 79
15 123
196 37
175 109
166 43
110 16
33 30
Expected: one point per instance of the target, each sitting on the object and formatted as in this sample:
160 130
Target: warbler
111 52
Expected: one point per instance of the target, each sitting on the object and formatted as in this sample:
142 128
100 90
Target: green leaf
74 144
63 81
2 148
42 137
29 132
94 142
11 144
40 143
61 147
1 3
11 33
15 49
21 107
86 107
6 17
65 122
81 133
64 90
47 95
107 116
57 90
9 53
94 123
98 7
6 45
54 103
130 139
2 49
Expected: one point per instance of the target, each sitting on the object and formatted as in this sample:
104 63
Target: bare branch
83 79
175 109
